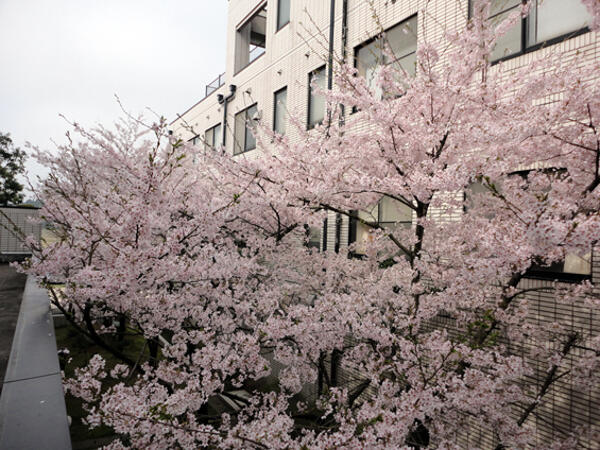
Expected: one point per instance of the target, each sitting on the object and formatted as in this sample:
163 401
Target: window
392 214
324 233
573 268
387 213
251 39
244 128
312 237
316 103
397 47
196 140
279 110
212 137
283 13
548 22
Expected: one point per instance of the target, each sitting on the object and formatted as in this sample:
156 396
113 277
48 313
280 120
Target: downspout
344 48
331 37
338 218
336 355
329 87
330 58
225 101
353 222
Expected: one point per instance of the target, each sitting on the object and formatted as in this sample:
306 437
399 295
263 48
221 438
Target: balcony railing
215 84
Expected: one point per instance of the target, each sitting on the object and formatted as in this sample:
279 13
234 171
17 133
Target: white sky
71 56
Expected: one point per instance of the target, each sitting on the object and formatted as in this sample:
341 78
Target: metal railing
214 85
15 224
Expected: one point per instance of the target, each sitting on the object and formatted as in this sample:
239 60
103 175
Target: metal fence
15 224
214 85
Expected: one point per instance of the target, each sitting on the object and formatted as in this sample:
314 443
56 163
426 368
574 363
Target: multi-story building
277 48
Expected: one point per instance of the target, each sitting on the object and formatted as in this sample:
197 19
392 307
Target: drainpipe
338 219
344 47
225 101
331 37
330 58
352 220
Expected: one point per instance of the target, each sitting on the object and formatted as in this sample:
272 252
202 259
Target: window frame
357 226
311 74
194 140
524 48
279 26
246 21
386 224
372 39
275 94
246 129
536 271
213 145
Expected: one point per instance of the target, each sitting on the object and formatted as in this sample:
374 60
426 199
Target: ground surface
11 293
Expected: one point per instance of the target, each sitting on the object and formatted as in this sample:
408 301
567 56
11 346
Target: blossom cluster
204 255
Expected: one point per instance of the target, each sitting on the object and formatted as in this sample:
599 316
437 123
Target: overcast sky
71 56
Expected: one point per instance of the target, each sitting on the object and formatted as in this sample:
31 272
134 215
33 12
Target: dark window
283 13
244 128
397 47
316 102
549 21
352 226
280 110
212 137
251 39
325 235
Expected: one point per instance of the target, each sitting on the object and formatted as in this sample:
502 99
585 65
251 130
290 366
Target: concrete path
11 293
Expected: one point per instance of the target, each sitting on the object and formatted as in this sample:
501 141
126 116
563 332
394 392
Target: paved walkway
11 293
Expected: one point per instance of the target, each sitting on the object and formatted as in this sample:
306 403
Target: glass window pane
217 136
280 110
502 5
509 43
407 64
314 237
283 13
316 112
578 264
369 214
558 17
368 59
402 39
391 210
250 140
368 56
240 132
250 40
208 139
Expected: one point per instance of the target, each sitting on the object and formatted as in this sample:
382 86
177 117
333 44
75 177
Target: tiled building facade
276 47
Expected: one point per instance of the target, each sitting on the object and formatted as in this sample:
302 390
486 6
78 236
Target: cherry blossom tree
202 255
